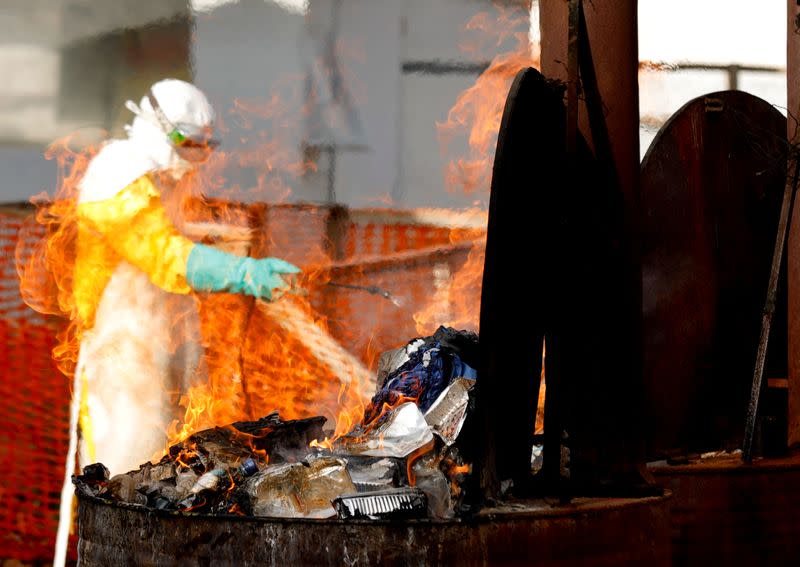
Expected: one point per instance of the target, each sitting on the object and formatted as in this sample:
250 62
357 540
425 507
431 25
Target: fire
478 110
186 456
452 469
265 357
358 420
476 114
275 369
261 357
539 423
257 357
44 289
460 469
455 300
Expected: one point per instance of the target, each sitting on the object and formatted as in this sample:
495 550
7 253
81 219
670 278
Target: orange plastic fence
34 418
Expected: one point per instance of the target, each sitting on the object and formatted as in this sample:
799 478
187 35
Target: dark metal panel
606 218
712 184
558 266
522 248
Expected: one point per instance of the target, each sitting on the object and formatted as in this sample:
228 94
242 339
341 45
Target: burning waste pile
402 460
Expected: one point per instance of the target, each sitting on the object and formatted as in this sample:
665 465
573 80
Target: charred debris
404 459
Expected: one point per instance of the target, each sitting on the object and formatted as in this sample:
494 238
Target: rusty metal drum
597 532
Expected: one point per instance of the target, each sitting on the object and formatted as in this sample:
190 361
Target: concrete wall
380 120
73 63
67 67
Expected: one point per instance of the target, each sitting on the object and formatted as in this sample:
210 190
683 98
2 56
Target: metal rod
374 290
733 77
769 308
437 67
700 66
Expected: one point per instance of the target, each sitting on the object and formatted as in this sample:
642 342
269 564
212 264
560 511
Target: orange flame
43 288
259 358
460 469
476 114
478 110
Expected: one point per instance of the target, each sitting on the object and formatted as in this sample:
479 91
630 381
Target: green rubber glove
209 269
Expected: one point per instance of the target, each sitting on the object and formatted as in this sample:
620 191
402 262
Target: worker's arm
136 226
134 223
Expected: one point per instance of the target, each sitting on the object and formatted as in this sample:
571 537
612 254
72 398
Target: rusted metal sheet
557 266
793 61
589 532
712 184
515 307
727 513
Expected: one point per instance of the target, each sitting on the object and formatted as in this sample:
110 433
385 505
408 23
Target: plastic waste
403 432
437 490
299 490
447 414
372 474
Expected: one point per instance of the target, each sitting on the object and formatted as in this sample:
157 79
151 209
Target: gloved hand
209 269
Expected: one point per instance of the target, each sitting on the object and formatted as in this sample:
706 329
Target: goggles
181 140
178 136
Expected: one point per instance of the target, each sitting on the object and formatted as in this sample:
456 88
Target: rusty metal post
793 87
336 230
613 34
733 77
611 82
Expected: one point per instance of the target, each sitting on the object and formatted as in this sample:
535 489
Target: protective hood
148 148
173 105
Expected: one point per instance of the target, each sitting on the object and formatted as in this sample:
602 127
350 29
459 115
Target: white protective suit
141 338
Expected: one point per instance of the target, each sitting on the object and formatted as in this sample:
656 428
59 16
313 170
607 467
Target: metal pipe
608 121
613 34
